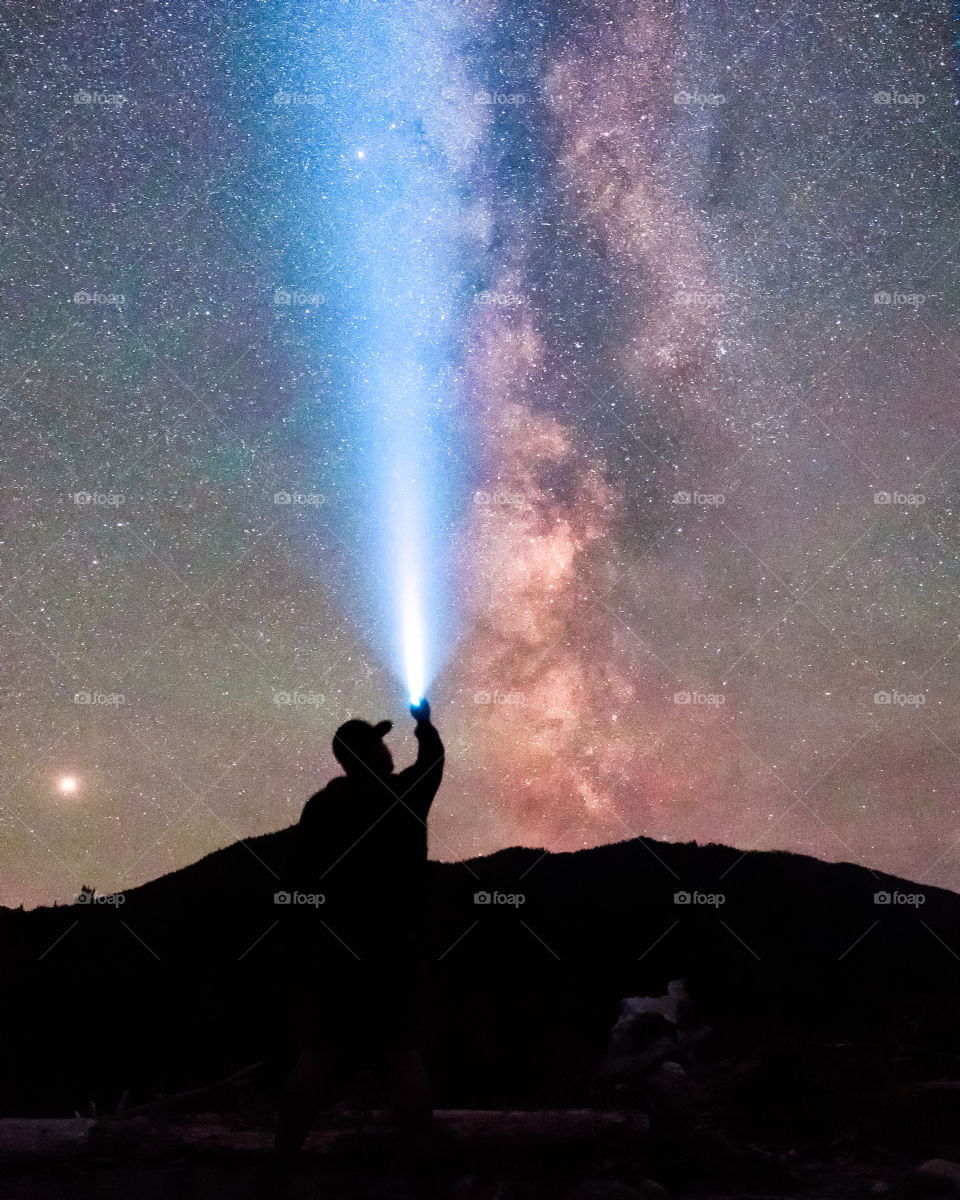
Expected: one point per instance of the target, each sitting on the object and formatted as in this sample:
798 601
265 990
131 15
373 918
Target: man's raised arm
421 780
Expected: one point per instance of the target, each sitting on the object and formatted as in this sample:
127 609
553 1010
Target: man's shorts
375 1006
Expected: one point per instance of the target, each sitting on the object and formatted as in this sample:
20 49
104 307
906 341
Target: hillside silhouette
184 981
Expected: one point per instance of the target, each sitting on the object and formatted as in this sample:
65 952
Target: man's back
361 843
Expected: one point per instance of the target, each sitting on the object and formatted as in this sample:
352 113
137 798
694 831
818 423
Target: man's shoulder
329 793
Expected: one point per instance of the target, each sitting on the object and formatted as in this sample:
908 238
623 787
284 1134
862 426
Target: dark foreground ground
812 1122
803 1173
838 1180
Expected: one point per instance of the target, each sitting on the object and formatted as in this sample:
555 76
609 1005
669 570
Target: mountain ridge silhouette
186 979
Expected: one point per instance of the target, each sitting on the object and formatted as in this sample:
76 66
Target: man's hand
421 711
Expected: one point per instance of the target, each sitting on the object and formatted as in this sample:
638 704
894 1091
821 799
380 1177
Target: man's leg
411 1098
412 1104
302 1094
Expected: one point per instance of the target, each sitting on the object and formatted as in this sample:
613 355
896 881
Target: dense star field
681 277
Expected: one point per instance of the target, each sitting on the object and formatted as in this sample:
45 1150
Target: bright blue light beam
396 210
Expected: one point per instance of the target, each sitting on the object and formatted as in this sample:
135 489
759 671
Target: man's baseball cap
355 738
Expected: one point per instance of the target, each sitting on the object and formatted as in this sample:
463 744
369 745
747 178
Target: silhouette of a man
359 866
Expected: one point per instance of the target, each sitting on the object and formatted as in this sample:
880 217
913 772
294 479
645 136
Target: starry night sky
687 276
